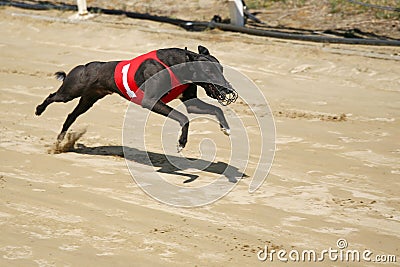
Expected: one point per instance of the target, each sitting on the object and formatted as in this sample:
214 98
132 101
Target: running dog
143 81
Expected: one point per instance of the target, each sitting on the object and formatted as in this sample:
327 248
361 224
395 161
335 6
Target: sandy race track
335 174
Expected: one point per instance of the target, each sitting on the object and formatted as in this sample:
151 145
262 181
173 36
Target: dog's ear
203 50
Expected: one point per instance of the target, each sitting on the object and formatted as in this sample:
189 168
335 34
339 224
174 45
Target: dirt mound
68 143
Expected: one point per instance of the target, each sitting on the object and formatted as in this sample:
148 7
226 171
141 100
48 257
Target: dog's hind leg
71 88
85 103
41 108
54 97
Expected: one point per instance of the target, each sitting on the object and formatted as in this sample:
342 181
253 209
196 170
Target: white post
236 12
82 8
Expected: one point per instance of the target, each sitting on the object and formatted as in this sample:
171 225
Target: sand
335 173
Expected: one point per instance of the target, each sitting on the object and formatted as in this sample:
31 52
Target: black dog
95 80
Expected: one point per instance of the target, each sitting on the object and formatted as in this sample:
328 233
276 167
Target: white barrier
82 8
236 12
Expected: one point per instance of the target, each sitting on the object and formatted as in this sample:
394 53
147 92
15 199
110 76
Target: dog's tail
60 75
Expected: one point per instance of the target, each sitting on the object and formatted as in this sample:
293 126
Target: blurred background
318 15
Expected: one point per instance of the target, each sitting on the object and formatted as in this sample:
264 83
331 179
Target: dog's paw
39 110
61 136
181 143
179 148
226 131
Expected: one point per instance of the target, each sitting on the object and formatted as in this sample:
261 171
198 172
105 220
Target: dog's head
208 73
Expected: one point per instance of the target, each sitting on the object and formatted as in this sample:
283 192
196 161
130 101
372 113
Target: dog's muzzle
224 95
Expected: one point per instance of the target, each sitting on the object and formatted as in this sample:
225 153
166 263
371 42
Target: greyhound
129 78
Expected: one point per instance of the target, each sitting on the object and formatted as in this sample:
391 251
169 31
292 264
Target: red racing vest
124 77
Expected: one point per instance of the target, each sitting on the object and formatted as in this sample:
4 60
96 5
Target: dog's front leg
197 106
165 110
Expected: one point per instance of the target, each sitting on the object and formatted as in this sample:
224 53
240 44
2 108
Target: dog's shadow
163 162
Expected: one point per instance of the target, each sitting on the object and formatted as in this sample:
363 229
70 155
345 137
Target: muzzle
225 96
